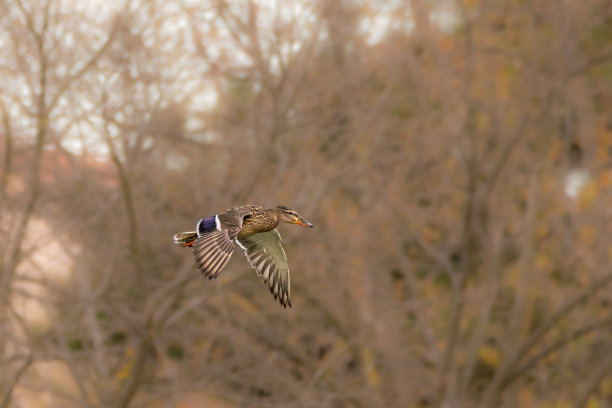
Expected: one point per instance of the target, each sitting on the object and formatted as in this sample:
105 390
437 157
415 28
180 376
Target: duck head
292 217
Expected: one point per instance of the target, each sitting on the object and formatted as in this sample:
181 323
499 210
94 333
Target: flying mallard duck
253 229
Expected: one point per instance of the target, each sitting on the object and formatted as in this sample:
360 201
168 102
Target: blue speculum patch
206 224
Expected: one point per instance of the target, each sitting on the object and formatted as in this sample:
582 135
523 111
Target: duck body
253 228
257 219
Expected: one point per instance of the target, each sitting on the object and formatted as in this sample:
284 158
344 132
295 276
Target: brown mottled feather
247 220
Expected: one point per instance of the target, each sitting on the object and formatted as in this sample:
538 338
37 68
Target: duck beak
304 223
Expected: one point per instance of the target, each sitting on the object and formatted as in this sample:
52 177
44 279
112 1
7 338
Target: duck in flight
253 228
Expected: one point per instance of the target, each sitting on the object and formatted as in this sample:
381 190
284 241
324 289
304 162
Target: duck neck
275 214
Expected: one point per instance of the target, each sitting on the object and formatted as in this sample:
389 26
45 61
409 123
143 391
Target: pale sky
378 20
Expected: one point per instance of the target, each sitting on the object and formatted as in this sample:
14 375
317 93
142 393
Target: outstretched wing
215 242
212 250
266 254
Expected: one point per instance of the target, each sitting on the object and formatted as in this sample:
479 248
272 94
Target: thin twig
518 372
6 400
508 367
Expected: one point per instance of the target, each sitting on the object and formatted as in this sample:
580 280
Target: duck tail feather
185 239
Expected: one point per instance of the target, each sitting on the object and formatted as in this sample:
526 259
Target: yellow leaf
124 372
505 81
512 276
430 234
593 403
339 346
489 355
588 195
542 230
543 262
369 366
606 386
557 149
482 122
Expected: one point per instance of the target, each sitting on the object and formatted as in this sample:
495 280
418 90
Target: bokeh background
454 156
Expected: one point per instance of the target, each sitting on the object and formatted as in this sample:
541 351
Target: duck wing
214 245
231 219
267 256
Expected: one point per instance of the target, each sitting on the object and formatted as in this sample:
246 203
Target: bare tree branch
8 391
